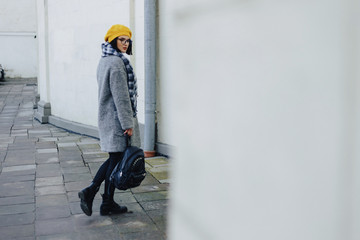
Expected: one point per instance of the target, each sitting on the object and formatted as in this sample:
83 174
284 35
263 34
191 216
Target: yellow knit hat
117 30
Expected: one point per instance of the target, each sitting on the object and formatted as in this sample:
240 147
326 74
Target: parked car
2 73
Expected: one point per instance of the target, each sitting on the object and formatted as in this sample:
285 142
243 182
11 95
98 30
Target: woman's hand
129 132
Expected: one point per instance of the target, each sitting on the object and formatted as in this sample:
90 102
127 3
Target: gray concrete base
164 149
37 99
74 127
43 111
161 148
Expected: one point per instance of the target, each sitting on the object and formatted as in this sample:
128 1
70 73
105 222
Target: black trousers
105 171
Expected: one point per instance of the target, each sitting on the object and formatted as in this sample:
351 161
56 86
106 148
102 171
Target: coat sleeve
120 92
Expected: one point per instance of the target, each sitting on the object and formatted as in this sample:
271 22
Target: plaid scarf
108 50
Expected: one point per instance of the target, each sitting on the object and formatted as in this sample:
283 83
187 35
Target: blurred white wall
18 45
264 110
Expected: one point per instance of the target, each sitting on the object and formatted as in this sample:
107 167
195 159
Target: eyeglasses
124 41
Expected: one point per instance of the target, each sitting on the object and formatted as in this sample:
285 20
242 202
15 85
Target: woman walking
117 96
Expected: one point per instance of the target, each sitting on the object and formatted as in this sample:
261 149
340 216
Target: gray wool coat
115 112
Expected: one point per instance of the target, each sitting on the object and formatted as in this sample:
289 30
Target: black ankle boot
87 197
109 206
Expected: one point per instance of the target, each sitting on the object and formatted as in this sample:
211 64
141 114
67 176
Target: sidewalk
42 168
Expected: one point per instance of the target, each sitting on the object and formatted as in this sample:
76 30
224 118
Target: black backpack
130 171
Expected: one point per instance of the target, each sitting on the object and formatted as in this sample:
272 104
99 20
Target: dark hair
114 45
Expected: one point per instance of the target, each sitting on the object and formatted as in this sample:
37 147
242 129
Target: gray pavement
42 168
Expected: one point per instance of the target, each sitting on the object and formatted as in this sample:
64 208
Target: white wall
18 47
75 31
264 114
165 45
70 34
137 59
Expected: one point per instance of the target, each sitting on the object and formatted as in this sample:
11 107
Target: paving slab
48 158
7 140
29 160
122 197
14 153
15 209
22 145
54 226
14 134
66 144
76 170
69 151
86 146
154 205
157 161
76 186
151 196
134 209
73 197
75 208
150 188
52 212
72 138
110 231
17 200
48 170
19 168
74 157
46 145
18 173
159 217
155 235
51 200
95 155
39 132
72 163
16 232
160 173
16 189
47 150
150 180
87 140
23 139
94 166
96 221
59 134
17 219
74 177
62 236
49 181
50 190
48 139
134 224
95 160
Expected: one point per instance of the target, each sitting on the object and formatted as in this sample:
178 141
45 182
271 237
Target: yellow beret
117 30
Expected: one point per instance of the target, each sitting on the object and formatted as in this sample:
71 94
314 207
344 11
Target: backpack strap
128 140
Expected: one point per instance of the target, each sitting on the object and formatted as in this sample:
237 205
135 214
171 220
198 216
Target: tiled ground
42 169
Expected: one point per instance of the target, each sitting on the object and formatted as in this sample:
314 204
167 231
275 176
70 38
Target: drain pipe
150 76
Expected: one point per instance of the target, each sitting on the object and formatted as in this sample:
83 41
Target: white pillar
44 108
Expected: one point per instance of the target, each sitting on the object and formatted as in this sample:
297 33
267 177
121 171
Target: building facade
18 43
